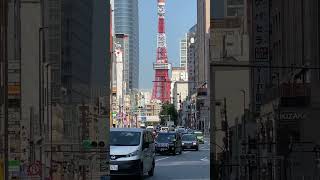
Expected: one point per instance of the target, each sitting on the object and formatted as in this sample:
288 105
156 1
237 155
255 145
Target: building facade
184 51
289 108
202 65
126 21
179 77
191 58
234 8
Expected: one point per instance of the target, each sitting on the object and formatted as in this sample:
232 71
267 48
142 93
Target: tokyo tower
161 85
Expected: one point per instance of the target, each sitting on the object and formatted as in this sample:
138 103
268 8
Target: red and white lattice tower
161 85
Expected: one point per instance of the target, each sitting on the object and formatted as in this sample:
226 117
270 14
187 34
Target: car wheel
113 178
151 172
197 149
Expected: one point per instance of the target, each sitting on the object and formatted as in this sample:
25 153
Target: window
118 138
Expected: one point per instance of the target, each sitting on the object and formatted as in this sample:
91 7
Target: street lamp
47 66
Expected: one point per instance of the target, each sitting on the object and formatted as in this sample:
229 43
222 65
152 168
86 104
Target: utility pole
83 137
4 81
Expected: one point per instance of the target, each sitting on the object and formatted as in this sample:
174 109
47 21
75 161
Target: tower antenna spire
161 84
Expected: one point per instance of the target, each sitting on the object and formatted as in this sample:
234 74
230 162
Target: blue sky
181 15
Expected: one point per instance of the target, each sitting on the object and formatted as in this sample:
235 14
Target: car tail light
194 143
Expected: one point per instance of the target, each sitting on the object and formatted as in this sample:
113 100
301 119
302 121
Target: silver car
132 152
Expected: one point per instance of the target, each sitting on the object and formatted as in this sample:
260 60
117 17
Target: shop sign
293 115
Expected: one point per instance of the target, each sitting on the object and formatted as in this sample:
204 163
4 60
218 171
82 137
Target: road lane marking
184 163
204 159
193 179
161 159
186 152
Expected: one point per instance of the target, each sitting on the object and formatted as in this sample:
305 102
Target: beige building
179 85
229 46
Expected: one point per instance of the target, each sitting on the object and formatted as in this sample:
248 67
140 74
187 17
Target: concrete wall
30 24
227 84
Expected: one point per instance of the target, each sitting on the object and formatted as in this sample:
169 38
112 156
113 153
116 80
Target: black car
189 141
168 142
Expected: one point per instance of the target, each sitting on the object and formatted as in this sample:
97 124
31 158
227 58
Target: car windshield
181 130
188 138
124 138
165 138
198 133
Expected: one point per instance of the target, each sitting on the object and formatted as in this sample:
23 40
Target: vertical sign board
14 165
260 29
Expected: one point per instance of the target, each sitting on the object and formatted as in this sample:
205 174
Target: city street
190 165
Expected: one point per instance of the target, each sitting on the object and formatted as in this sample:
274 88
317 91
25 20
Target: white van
132 152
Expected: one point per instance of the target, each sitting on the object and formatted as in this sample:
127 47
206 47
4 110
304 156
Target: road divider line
193 179
161 159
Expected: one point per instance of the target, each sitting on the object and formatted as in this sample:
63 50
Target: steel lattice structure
161 86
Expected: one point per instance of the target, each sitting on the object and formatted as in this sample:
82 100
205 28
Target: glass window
189 137
124 138
165 137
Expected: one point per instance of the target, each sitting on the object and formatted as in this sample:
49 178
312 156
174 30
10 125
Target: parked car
189 141
132 152
199 135
168 142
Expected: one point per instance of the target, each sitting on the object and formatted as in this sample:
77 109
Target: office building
202 65
191 59
126 21
184 51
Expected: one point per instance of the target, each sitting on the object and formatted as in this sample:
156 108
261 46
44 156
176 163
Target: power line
251 65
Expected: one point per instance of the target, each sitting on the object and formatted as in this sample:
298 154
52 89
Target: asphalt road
190 165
